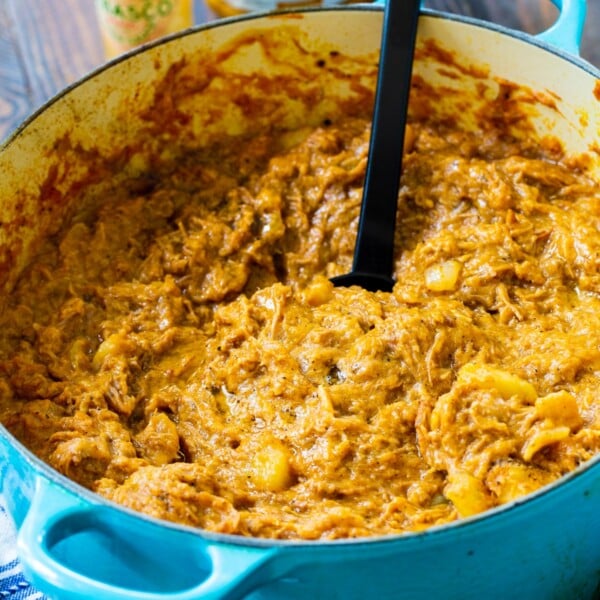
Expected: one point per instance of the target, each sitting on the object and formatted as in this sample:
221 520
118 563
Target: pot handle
71 549
567 31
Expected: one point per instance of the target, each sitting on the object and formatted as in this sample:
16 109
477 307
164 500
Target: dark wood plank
530 16
15 92
591 39
58 40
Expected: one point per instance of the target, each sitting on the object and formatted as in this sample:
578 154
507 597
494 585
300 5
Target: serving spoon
373 260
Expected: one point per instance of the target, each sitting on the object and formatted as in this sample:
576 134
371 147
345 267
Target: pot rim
467 20
437 532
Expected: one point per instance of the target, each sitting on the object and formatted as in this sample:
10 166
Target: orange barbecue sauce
178 348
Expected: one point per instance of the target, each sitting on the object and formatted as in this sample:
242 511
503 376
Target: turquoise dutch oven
74 544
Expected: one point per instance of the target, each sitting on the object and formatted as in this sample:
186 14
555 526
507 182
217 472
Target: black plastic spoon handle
373 261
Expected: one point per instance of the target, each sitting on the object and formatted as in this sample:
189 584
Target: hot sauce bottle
125 24
229 8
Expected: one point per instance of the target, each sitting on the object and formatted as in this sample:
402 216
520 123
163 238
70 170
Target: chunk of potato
443 277
541 436
468 494
318 292
270 468
487 377
115 344
560 408
510 481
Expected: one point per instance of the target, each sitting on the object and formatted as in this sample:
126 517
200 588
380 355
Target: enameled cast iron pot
74 544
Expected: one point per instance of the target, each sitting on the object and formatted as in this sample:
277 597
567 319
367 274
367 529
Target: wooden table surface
47 44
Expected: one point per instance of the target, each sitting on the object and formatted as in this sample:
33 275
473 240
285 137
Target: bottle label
125 24
128 23
263 5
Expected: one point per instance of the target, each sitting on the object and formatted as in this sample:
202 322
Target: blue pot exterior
17 477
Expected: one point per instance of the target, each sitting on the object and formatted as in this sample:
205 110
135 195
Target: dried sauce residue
431 49
259 95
